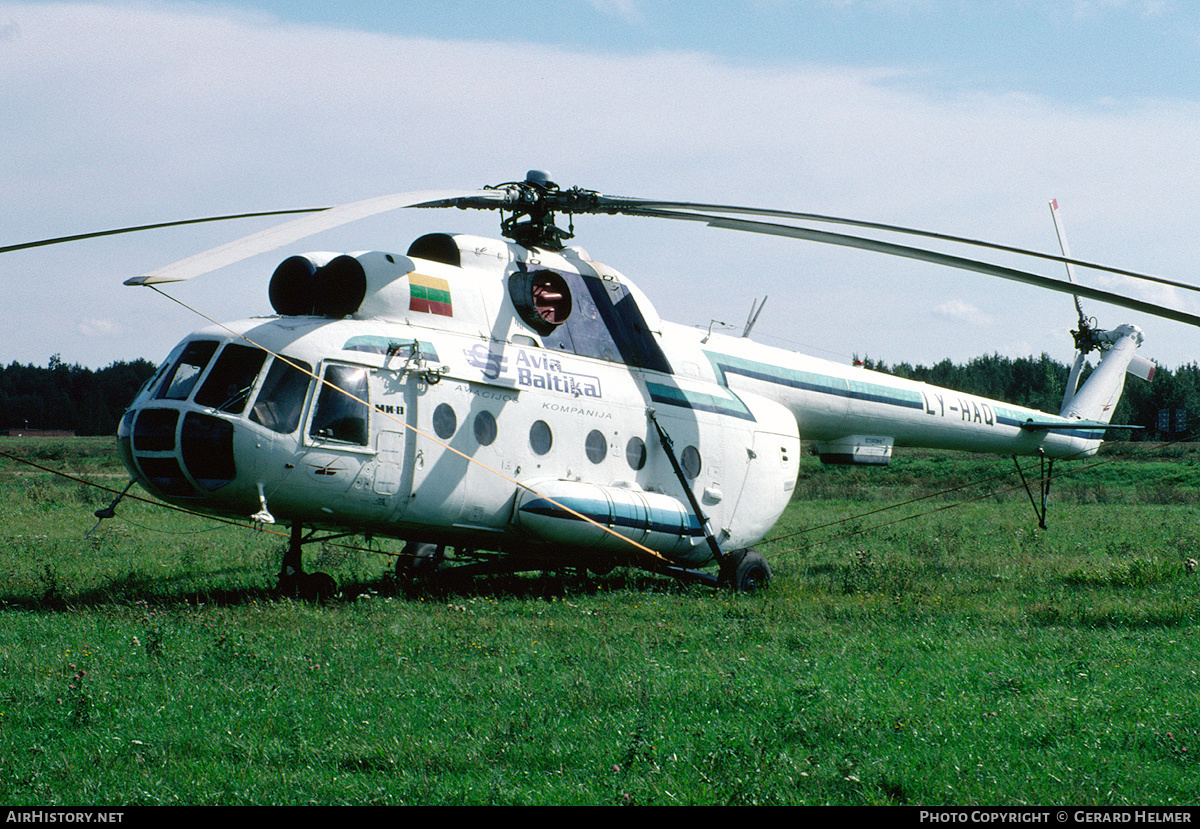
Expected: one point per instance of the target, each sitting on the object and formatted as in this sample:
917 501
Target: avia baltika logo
491 364
535 370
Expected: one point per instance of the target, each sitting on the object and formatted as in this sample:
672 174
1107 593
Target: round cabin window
485 428
635 453
540 437
542 299
596 446
445 421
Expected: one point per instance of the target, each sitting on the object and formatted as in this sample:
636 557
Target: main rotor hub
533 203
1087 338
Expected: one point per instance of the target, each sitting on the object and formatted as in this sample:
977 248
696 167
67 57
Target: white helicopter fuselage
454 421
485 395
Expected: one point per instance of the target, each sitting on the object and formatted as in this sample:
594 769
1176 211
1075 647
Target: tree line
69 397
62 396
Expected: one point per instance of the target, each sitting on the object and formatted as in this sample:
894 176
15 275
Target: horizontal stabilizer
1141 367
1071 425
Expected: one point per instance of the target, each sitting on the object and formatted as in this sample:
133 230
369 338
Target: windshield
187 370
228 385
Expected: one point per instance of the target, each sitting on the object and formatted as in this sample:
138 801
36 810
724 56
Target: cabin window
690 461
635 453
540 437
596 446
485 428
342 406
445 421
542 299
231 380
281 400
187 370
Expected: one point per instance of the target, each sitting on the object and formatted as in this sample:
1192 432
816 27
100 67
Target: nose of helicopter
181 435
177 453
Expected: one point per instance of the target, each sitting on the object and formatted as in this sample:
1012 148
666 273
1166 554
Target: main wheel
748 571
309 587
317 587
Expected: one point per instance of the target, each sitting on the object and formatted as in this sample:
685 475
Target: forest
69 397
91 402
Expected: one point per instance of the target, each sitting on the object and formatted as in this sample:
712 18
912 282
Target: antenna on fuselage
755 309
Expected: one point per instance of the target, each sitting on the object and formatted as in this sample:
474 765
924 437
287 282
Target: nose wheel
418 560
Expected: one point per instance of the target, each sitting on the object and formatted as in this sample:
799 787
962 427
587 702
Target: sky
964 118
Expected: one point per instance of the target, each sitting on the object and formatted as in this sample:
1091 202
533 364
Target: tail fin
1098 397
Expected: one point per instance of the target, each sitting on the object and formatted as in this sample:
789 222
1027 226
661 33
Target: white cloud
965 312
97 328
626 10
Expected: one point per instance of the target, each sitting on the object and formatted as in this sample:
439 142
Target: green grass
960 657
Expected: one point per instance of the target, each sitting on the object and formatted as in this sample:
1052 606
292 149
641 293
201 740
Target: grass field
943 652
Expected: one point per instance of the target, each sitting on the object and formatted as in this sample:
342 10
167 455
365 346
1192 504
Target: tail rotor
1086 335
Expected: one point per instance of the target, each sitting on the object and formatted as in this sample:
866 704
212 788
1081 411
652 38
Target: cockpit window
607 324
339 415
281 400
228 385
151 385
187 370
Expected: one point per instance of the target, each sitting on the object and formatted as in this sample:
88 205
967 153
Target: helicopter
513 404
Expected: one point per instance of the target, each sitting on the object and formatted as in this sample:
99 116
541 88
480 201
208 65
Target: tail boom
837 405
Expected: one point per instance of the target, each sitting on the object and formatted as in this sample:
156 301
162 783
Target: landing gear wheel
309 587
317 587
746 571
601 565
297 584
418 561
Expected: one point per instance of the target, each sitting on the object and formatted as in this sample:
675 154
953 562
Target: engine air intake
301 287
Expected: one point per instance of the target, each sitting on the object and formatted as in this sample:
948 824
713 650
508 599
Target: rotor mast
533 203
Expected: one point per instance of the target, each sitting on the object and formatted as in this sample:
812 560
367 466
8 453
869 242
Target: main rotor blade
954 262
284 234
136 228
663 210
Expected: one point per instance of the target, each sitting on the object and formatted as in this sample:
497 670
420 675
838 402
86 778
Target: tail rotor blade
1066 252
1073 379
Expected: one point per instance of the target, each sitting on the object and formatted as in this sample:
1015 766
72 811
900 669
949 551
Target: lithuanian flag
429 294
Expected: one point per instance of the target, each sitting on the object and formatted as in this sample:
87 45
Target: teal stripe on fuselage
1008 417
699 401
810 381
